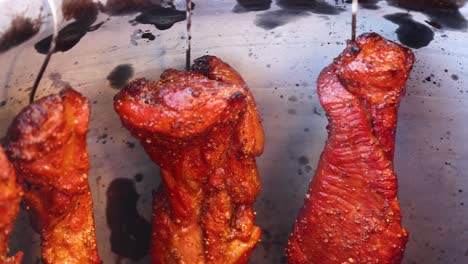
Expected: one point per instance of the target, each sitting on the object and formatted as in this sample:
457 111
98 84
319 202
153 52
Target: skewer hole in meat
351 213
47 144
203 129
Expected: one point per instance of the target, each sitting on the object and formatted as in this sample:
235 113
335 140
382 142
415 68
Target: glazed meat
47 145
351 212
203 129
10 197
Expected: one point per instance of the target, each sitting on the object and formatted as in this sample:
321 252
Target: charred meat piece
351 212
47 145
203 129
10 197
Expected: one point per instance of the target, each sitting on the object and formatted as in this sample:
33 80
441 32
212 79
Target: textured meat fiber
10 197
351 213
47 144
203 129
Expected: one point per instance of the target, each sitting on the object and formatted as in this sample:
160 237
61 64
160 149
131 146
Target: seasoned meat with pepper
203 129
10 197
351 212
47 145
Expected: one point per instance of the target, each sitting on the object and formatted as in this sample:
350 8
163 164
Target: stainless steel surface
281 65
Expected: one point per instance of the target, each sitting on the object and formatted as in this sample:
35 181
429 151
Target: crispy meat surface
351 212
47 145
203 129
10 197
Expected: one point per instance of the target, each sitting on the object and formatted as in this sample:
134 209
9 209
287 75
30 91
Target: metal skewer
189 35
354 8
53 43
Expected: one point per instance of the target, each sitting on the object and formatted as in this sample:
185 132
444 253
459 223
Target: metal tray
280 52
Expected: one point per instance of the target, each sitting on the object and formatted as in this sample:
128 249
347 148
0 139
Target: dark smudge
443 12
303 160
148 35
70 35
367 4
57 81
291 10
20 30
251 5
95 27
162 18
120 75
314 6
273 19
130 232
411 33
433 24
138 177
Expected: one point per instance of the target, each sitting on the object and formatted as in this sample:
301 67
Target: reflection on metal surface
20 30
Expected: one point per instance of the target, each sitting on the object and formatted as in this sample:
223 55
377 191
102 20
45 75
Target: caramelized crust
10 197
351 212
203 129
47 144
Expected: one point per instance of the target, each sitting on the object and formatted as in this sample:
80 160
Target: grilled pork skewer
10 197
351 212
47 145
203 129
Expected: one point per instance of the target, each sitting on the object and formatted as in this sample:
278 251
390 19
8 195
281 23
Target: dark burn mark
316 111
244 6
148 35
3 103
130 145
303 160
314 6
292 10
292 111
162 18
70 35
21 29
367 4
138 177
273 19
454 77
411 33
130 232
120 75
443 12
57 81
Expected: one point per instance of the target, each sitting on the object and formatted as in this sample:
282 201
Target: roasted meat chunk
203 129
10 197
351 212
47 144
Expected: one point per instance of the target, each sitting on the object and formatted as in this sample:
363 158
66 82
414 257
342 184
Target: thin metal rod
53 42
354 9
188 50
